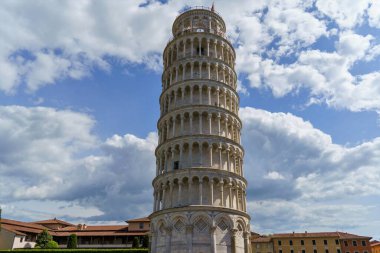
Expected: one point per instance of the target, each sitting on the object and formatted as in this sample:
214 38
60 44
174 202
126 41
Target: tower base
200 229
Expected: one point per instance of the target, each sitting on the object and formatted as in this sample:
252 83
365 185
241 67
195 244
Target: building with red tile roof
314 242
375 246
18 234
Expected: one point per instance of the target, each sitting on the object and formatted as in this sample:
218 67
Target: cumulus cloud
41 44
276 216
346 13
315 167
292 166
374 14
45 154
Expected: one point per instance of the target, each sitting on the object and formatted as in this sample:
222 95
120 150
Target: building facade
375 246
306 242
18 234
321 242
199 188
355 244
262 244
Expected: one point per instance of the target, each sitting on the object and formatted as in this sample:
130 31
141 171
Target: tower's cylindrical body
199 188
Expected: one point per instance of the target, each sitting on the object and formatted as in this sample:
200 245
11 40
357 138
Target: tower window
176 165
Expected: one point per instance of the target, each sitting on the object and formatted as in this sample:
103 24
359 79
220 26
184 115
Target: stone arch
202 222
179 222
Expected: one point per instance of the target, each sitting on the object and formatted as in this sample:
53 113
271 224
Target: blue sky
79 88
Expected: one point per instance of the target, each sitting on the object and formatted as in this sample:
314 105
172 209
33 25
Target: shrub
51 245
135 242
72 243
43 238
145 241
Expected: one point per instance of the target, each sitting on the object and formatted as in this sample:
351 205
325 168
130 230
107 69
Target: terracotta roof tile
262 239
307 234
340 235
22 224
144 219
53 221
11 229
343 235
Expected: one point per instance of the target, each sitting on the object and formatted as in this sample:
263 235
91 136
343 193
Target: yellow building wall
375 249
308 246
135 226
262 247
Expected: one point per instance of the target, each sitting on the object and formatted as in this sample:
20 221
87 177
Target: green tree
135 242
43 238
145 241
51 245
72 243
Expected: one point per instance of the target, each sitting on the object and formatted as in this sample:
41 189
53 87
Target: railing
188 8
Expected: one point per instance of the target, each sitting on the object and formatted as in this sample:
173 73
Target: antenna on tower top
213 6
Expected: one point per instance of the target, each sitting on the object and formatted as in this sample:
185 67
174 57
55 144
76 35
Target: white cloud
346 13
45 154
306 158
353 45
44 42
41 44
325 75
278 216
274 175
374 14
299 179
295 27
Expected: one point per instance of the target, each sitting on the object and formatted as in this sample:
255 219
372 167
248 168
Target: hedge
81 250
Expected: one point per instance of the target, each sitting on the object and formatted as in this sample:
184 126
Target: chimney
84 226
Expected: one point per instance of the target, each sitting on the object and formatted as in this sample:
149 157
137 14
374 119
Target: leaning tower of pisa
199 188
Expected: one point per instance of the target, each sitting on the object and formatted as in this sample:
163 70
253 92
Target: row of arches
197 46
206 190
202 69
199 21
193 121
199 155
199 94
200 232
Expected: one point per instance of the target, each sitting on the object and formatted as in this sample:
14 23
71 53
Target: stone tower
199 188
